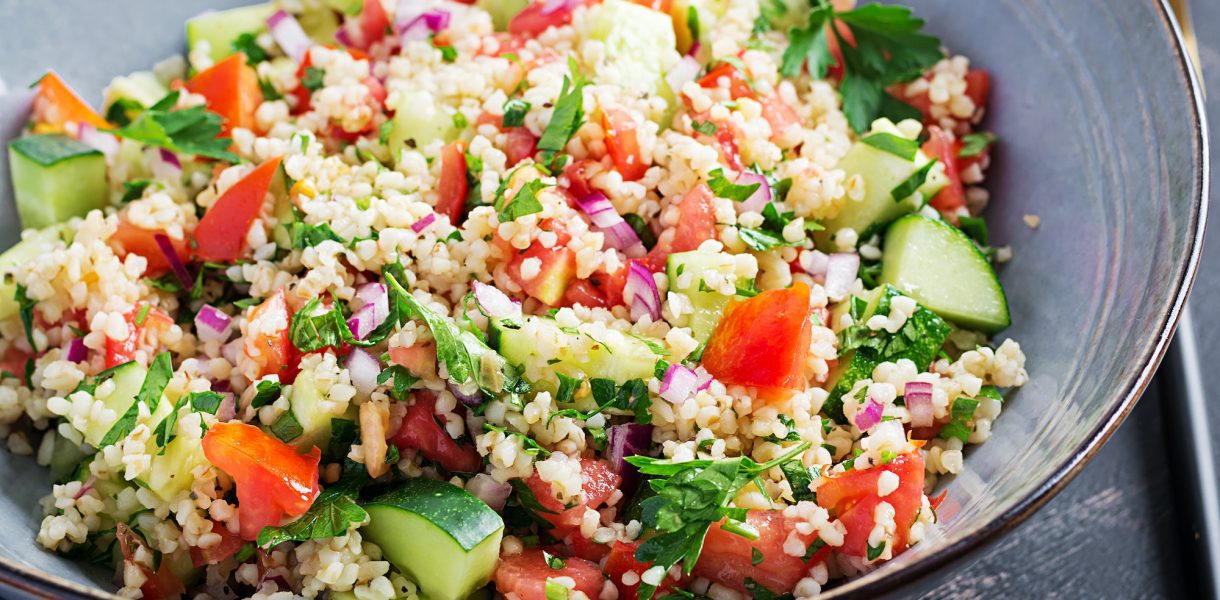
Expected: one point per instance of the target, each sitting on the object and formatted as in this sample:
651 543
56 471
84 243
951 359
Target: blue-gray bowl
1102 136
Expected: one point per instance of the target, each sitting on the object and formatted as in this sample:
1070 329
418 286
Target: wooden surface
1114 532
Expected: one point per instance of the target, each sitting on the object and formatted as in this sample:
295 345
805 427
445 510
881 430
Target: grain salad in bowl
562 299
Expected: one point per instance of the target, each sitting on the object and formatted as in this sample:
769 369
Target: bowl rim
43 584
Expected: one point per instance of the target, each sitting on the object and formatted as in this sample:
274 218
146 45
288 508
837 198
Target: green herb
897 145
961 414
287 427
756 556
26 307
758 591
911 184
159 374
247 43
975 227
631 396
869 273
333 512
799 479
723 188
691 496
311 331
305 235
597 436
704 127
780 188
194 130
460 121
566 117
514 112
204 402
791 436
532 447
692 23
266 392
133 190
888 48
122 110
142 314
525 202
89 385
813 548
448 53
552 561
268 91
383 132
342 435
402 381
990 391
247 550
641 229
973 144
312 79
567 388
555 590
874 552
887 455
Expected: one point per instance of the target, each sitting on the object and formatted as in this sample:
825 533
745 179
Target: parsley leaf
331 514
159 374
287 427
312 79
266 392
961 413
342 435
402 381
973 144
194 130
525 202
897 145
26 307
311 331
532 447
247 43
305 235
799 479
911 184
566 118
704 127
514 112
133 190
723 188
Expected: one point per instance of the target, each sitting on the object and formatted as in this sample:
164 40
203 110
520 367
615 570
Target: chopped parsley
799 479
514 112
525 202
305 235
631 396
401 379
311 331
266 392
312 79
247 43
532 447
961 415
771 233
973 144
566 118
332 513
133 190
889 48
704 127
975 227
194 130
287 427
26 307
911 184
159 374
641 229
723 188
460 121
897 145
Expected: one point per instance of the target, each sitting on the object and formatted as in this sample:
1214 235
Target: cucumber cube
55 178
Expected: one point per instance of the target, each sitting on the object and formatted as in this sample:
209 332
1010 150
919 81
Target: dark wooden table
1117 531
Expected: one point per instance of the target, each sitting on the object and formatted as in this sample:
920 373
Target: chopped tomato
558 266
221 233
273 481
622 143
598 482
231 90
696 224
535 18
57 105
519 145
525 575
587 548
162 584
600 290
420 430
419 359
119 352
230 544
779 115
728 76
728 558
763 342
131 239
726 136
978 86
942 146
452 189
622 559
271 350
13 362
852 498
374 22
578 177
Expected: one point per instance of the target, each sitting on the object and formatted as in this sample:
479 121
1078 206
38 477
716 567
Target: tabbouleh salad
562 299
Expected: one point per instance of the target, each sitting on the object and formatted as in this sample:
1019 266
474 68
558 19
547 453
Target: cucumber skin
442 503
890 275
69 181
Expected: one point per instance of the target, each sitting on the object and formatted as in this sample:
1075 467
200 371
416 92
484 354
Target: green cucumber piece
320 25
66 457
639 42
347 7
438 534
142 87
219 28
418 121
127 380
881 172
708 305
575 352
940 267
305 403
24 251
502 11
172 472
919 340
55 178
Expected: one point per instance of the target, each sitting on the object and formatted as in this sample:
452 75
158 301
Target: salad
562 299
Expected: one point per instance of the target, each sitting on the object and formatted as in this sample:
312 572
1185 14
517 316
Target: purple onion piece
679 383
364 370
495 303
289 35
641 293
103 142
77 352
227 411
422 224
868 415
603 215
494 493
473 399
212 325
917 396
759 199
175 263
628 439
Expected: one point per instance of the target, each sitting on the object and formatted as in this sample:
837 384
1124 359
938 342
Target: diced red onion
221 386
423 223
641 293
471 399
553 6
212 325
232 350
685 70
414 24
695 47
84 489
175 263
705 379
227 411
759 199
841 270
494 493
104 142
868 415
343 36
815 264
628 439
917 395
437 20
679 383
361 322
495 303
165 165
77 352
619 234
364 370
287 32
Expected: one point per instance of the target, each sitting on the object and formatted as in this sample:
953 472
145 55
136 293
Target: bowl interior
1100 137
